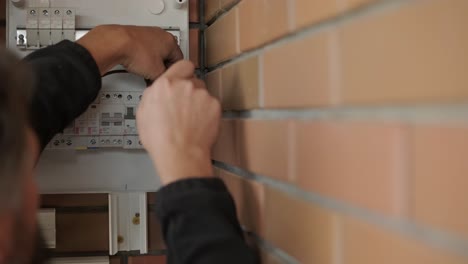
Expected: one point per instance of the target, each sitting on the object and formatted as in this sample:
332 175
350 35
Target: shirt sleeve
199 223
67 82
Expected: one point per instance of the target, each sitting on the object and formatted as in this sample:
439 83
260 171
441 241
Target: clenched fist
146 51
178 122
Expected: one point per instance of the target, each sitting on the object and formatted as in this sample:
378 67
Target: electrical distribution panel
100 150
110 122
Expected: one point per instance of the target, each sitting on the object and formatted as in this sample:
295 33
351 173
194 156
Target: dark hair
15 88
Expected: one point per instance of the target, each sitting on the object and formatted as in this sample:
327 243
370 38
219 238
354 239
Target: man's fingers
180 70
198 83
175 56
159 70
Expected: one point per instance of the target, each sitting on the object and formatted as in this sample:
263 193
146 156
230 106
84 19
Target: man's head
18 154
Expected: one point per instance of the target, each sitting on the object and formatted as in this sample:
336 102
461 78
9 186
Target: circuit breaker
100 150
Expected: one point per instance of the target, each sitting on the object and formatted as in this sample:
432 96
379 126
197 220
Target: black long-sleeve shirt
198 215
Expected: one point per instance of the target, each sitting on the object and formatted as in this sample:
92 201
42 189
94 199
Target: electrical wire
147 81
114 72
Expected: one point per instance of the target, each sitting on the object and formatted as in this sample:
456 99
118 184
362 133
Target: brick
212 7
217 171
147 260
216 7
439 186
74 200
82 232
367 244
195 46
297 73
264 146
261 21
226 149
308 12
416 53
352 4
222 39
155 236
213 83
225 4
303 230
194 11
239 84
359 162
249 197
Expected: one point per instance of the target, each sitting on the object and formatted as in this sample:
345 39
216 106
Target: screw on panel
21 39
136 219
120 239
45 12
32 12
129 97
57 12
129 142
69 12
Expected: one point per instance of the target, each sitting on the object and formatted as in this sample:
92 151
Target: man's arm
178 122
199 223
67 81
68 75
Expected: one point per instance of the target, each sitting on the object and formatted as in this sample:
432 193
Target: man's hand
146 51
178 122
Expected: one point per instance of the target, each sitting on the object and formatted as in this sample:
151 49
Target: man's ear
6 235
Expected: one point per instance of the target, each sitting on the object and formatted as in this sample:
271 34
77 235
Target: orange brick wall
345 135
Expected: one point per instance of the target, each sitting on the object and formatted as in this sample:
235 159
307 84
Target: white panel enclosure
80 161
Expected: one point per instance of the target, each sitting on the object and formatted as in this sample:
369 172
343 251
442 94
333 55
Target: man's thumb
180 70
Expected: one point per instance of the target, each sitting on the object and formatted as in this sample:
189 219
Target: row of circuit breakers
49 26
110 122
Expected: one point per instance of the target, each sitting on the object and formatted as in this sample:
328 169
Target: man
177 120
